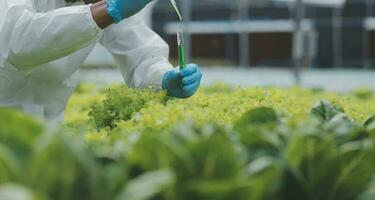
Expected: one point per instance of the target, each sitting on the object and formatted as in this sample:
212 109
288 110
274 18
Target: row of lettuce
223 144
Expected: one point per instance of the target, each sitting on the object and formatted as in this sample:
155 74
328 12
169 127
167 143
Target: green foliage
370 122
324 169
18 192
325 110
260 115
223 144
219 88
370 193
17 136
363 93
256 131
18 131
147 185
9 165
63 168
121 104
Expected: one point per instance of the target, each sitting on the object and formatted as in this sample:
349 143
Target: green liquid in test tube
181 49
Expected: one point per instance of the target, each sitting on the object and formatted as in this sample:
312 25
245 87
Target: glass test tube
181 49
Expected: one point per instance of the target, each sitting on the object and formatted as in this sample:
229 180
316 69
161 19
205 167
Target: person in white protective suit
43 43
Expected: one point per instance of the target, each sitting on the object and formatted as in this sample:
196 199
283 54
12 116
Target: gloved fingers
168 77
190 90
191 79
172 74
189 70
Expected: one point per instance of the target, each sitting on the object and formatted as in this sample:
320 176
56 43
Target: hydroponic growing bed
225 143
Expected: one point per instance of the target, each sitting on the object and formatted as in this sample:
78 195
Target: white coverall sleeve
29 39
141 54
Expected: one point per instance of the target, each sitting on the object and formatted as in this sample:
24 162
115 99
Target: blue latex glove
122 9
182 84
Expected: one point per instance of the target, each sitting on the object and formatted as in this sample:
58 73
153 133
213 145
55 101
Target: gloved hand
182 84
122 9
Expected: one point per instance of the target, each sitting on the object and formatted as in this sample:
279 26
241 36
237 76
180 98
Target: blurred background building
336 35
302 36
